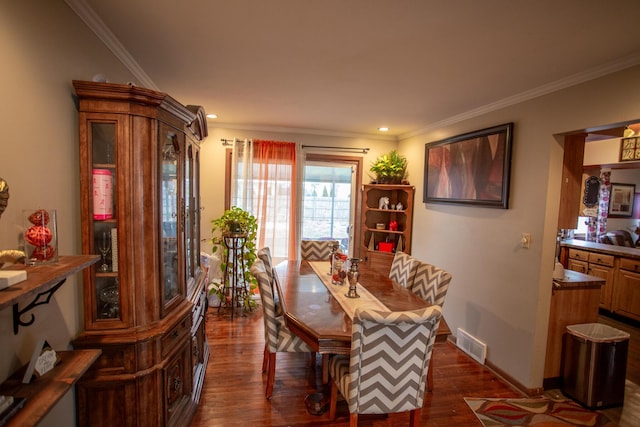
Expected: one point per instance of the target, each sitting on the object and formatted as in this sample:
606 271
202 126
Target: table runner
367 299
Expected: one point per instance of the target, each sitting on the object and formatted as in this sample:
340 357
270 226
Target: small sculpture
399 206
4 195
383 203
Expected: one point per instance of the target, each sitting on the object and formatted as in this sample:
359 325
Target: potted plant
390 168
236 223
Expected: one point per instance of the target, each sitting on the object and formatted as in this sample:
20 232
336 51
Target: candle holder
337 269
334 248
352 277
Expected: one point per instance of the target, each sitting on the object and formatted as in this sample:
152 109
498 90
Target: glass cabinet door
192 213
103 227
171 212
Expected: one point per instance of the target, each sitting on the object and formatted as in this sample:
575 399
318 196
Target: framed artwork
621 200
470 169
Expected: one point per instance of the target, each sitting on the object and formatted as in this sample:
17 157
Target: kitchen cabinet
595 264
618 265
385 228
574 300
144 302
627 292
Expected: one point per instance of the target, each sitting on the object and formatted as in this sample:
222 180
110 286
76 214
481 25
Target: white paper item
11 277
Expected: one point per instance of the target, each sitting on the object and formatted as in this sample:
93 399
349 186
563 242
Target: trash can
594 364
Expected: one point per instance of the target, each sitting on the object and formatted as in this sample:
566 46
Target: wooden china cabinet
145 300
380 239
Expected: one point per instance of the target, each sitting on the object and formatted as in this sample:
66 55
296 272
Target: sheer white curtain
264 183
241 174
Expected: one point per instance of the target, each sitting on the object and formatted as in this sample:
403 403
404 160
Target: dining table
319 312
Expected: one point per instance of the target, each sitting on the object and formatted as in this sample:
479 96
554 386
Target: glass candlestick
334 249
352 277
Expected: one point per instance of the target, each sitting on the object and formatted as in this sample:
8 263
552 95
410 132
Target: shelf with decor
42 393
386 226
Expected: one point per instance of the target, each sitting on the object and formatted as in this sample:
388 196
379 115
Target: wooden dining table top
313 314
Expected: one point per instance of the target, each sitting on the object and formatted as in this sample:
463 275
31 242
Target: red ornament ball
39 217
38 235
43 253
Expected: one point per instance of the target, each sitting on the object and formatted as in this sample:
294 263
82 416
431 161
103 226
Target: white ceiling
348 67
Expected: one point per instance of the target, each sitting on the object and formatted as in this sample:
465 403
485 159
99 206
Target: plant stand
236 289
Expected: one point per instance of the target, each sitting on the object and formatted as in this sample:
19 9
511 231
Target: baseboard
512 382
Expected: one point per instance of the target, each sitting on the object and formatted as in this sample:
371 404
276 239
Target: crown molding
95 24
573 80
301 131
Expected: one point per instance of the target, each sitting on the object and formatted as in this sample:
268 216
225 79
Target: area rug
539 412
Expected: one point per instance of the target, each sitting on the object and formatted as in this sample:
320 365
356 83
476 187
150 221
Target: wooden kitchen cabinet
595 264
574 300
144 302
626 300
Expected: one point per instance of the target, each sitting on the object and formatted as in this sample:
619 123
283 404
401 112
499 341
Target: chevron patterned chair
316 250
278 338
431 284
403 269
386 371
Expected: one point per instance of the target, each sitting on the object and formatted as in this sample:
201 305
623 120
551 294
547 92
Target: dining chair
430 283
265 255
386 371
316 250
278 338
403 269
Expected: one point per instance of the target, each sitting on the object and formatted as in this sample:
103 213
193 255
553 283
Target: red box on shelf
385 247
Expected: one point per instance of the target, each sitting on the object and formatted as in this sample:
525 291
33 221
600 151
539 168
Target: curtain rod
350 149
227 142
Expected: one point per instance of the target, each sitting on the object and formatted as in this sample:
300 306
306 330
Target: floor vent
471 345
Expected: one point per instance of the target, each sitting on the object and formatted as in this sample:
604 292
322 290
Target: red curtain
275 190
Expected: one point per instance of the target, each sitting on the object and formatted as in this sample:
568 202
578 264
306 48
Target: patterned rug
539 412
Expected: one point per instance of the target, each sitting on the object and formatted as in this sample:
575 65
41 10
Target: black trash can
594 364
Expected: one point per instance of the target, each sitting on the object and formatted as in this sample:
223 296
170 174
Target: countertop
576 280
602 248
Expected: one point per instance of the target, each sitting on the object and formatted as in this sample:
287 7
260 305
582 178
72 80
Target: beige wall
44 46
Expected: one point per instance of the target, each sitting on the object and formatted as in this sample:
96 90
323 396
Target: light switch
526 240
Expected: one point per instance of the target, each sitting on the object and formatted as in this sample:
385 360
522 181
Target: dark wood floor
233 393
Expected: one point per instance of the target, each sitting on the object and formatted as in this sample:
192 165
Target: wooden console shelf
43 277
42 281
44 392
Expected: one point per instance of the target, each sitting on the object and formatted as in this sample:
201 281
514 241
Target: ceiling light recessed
212 116
383 129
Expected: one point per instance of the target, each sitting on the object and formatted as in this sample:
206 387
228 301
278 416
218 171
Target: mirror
591 191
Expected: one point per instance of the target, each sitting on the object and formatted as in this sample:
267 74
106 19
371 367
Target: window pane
327 203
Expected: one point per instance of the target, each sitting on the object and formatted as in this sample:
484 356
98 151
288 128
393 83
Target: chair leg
353 420
414 417
265 359
325 369
333 400
430 376
271 375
